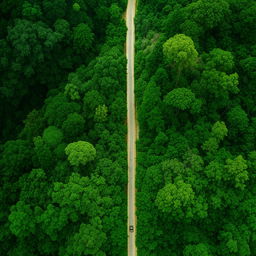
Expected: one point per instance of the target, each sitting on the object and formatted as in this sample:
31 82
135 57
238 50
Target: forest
63 110
63 129
195 93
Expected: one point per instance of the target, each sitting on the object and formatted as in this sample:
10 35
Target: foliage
63 80
180 51
195 99
73 125
72 92
22 220
80 152
76 7
182 98
52 136
101 113
63 98
83 37
208 14
175 198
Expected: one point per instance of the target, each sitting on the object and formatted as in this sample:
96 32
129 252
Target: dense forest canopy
63 110
195 92
63 159
41 43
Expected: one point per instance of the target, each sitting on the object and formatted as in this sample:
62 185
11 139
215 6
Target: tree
82 195
191 29
52 136
15 158
88 241
92 100
219 83
180 52
249 66
238 119
236 171
219 130
208 14
171 169
73 126
101 113
110 65
37 39
72 92
34 188
43 154
175 199
198 249
220 60
54 9
63 28
115 12
53 220
80 153
183 99
211 145
83 38
150 115
22 221
247 17
58 108
76 7
33 125
111 171
30 11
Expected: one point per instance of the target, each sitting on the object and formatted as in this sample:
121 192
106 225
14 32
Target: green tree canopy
237 118
88 241
83 38
80 152
220 60
180 52
22 220
52 136
73 125
175 199
208 14
182 98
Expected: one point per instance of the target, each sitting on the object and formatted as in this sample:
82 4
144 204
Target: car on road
131 228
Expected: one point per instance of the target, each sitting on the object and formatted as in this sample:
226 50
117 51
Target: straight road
131 121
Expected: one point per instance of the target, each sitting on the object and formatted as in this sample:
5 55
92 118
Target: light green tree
76 7
80 153
236 171
219 130
208 14
72 92
101 113
180 52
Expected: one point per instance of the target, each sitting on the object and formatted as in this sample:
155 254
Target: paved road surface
131 120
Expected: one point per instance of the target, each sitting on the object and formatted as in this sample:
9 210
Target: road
131 121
